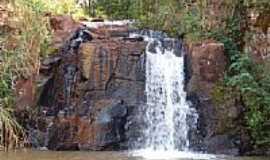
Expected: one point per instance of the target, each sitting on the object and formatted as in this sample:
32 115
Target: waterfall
167 113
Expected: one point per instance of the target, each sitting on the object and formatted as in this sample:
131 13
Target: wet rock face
219 125
95 80
166 44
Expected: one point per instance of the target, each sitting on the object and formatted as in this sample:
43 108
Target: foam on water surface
174 155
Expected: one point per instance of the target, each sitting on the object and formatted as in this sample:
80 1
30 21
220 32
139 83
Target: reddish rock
218 124
208 65
87 52
63 27
94 84
25 94
110 58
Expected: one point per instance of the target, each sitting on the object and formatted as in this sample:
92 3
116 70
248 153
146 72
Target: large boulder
219 125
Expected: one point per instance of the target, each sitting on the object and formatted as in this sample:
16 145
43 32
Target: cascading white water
168 115
167 108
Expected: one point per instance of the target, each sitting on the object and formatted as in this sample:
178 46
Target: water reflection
48 155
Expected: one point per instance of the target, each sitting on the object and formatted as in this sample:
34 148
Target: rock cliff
90 91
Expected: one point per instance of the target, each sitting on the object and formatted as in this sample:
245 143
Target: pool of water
49 155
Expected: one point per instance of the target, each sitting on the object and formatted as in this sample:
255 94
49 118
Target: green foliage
116 9
173 16
68 7
11 132
221 94
246 79
125 9
22 47
191 24
21 50
255 95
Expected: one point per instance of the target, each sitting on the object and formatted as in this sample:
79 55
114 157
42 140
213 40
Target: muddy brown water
49 155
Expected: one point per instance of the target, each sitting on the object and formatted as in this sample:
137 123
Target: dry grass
22 46
24 39
11 133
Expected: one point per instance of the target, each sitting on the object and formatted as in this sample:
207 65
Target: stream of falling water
168 114
167 108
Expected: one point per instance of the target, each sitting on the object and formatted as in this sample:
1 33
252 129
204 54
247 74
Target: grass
22 47
11 133
23 44
56 7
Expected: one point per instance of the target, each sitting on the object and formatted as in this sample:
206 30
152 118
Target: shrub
22 48
248 80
